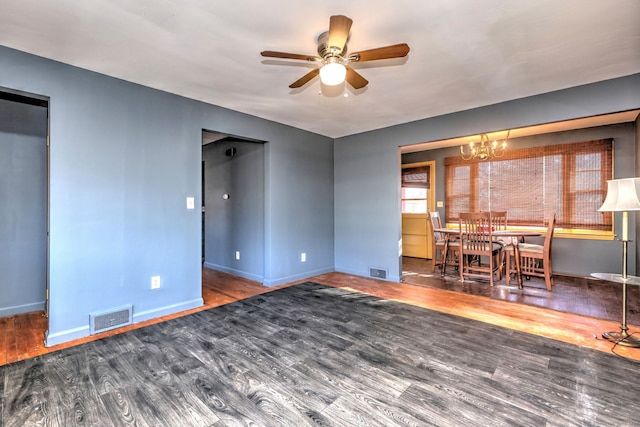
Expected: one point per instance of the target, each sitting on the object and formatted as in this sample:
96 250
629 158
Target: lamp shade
622 195
332 73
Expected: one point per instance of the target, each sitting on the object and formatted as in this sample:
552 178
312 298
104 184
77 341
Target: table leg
443 256
516 255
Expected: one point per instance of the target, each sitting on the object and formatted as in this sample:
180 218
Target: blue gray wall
367 167
592 255
123 160
23 207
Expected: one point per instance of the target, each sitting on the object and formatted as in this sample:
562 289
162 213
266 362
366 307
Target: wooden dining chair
439 245
535 260
479 253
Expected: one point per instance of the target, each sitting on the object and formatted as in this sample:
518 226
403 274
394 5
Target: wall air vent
378 273
110 319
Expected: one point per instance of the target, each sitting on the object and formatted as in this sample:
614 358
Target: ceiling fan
332 51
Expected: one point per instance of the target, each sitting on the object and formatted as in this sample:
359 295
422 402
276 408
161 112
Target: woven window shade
417 177
531 183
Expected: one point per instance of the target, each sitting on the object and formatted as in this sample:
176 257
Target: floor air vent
378 273
110 319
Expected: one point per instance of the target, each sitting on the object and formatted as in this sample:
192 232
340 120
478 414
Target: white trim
64 336
239 273
297 277
166 310
83 331
19 309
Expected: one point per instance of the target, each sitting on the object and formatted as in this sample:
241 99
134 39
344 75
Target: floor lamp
623 195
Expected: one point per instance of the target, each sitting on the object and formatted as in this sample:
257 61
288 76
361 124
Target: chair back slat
498 220
435 223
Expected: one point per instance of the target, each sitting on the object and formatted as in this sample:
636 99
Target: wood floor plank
72 396
5 336
316 355
597 298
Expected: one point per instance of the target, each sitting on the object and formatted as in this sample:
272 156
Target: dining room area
539 219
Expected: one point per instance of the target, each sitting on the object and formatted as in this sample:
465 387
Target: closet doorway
233 194
24 185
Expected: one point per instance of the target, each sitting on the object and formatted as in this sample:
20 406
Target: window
531 183
415 184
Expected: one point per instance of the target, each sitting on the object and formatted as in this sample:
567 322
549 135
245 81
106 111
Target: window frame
429 201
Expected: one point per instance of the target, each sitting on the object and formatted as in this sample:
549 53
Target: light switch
191 203
440 204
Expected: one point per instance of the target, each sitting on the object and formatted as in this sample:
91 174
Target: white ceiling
464 53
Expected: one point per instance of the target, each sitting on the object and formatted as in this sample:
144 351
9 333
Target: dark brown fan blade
339 26
387 52
304 79
355 79
272 54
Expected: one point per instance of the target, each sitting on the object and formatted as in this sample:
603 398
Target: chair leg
548 278
499 265
491 269
508 268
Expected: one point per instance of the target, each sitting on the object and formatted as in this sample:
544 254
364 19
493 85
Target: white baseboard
166 310
84 331
66 335
19 309
366 274
296 277
239 273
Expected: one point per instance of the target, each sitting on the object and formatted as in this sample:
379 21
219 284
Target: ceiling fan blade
355 79
304 79
273 54
339 27
387 52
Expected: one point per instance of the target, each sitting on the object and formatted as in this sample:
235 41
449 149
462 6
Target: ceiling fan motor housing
325 51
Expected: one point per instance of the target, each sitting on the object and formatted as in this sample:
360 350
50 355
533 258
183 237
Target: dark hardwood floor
314 354
22 336
121 399
579 295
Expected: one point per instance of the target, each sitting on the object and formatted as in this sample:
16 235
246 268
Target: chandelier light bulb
485 150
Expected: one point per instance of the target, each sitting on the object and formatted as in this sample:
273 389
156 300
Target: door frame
431 197
42 101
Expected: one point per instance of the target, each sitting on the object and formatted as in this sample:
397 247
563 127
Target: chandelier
485 150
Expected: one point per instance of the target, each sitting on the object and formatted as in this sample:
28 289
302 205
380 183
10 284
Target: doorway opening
418 199
24 213
233 204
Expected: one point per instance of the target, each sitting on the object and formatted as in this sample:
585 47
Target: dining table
514 234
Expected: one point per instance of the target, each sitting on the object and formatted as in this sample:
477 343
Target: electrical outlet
237 254
303 257
155 282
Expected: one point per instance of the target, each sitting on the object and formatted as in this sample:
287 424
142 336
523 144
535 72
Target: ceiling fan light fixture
334 58
333 72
